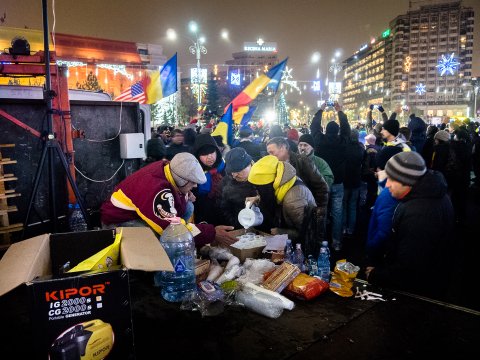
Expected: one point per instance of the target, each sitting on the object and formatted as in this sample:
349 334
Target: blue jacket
380 227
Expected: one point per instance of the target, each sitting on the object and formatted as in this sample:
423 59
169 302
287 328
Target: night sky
300 27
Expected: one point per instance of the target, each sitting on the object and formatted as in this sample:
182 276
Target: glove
371 106
380 108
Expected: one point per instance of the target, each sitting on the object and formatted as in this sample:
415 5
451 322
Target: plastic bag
305 287
208 298
343 278
103 259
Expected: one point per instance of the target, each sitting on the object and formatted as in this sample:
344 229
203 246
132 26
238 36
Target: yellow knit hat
265 170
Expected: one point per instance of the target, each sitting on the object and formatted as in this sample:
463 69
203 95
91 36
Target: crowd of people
410 180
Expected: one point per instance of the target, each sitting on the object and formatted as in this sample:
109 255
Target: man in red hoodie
158 192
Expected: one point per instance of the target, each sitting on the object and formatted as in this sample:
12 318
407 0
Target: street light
197 48
317 85
335 68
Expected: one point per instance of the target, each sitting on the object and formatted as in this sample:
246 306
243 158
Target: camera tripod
51 145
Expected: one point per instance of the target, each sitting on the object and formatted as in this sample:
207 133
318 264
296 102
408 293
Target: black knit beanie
392 126
307 138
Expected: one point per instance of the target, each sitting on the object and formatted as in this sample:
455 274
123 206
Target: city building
364 77
427 63
256 58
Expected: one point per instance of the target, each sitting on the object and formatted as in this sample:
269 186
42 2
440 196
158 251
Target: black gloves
381 109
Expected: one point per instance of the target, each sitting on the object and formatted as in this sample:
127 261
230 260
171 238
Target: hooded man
156 193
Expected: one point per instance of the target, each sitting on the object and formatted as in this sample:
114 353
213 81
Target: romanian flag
160 84
270 79
246 118
225 127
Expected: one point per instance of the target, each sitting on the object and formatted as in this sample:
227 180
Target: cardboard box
252 253
84 312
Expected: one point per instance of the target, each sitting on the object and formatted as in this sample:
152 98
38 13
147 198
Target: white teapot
250 216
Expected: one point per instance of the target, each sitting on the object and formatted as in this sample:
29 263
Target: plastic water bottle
178 243
312 265
298 257
76 221
289 251
324 262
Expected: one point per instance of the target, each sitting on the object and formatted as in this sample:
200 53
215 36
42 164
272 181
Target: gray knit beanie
185 167
442 135
406 167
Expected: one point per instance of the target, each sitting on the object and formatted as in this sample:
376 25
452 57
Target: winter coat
293 206
419 133
380 227
440 156
369 166
208 194
419 248
323 168
232 199
311 176
354 155
428 149
144 195
332 148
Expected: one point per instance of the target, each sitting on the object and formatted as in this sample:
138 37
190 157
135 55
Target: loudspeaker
20 46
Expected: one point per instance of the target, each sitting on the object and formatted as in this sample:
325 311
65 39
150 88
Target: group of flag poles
157 84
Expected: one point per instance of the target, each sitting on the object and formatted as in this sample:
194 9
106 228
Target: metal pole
197 50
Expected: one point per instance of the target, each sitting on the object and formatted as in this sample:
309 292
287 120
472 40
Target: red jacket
150 193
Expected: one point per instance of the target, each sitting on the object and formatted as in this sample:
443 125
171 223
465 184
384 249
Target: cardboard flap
24 261
141 250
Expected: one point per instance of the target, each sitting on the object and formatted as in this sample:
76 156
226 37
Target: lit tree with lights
282 112
91 83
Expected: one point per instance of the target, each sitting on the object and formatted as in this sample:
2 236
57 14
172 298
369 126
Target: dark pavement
328 327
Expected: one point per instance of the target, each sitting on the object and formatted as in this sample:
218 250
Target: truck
96 125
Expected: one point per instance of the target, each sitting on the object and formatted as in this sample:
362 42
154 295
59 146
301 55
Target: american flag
134 93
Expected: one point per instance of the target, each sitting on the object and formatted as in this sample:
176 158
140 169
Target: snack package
343 277
281 277
305 287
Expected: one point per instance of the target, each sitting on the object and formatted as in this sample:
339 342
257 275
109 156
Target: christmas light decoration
287 79
447 64
116 69
407 64
420 89
70 64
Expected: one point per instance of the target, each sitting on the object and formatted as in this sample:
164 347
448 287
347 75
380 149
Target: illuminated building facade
364 77
427 63
424 40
